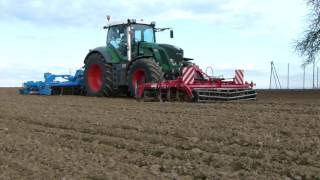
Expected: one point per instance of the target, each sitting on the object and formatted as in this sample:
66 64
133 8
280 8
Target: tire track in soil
71 144
239 123
117 144
209 111
130 147
215 139
182 136
16 167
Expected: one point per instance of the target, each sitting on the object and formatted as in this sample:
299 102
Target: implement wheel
98 76
142 71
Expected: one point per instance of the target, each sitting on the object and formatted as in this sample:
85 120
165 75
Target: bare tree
309 45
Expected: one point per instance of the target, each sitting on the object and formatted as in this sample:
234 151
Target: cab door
117 43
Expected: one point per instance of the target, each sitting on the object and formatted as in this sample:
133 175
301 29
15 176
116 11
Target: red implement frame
194 79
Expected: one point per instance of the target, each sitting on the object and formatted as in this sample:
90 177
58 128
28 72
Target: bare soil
75 137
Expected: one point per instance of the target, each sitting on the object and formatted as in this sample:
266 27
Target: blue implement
71 84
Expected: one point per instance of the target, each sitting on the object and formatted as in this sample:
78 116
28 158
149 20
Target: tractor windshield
143 33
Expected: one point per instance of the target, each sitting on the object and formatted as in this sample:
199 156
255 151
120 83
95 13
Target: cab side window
118 39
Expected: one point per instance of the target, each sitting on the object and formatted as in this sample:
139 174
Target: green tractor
133 64
131 57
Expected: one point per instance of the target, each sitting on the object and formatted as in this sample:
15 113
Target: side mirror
171 34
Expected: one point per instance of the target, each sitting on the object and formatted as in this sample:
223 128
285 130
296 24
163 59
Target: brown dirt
74 137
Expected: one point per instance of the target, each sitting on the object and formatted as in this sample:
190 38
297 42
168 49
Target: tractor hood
175 53
170 57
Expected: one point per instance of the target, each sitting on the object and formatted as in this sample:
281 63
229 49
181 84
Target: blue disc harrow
66 85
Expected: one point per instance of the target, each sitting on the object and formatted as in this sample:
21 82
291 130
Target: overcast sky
55 35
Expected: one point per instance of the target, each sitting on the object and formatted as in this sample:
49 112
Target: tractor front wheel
142 71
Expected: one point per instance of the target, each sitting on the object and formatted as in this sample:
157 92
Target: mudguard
103 51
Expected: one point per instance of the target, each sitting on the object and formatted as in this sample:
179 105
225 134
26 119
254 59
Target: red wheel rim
95 77
139 77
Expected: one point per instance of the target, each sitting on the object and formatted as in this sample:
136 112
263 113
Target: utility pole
271 73
317 77
275 76
313 73
288 80
304 74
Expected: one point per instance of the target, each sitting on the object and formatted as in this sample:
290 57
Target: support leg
160 95
169 94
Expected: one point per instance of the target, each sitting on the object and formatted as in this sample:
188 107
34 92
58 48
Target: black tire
105 85
152 71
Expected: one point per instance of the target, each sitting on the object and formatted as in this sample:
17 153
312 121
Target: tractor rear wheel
142 71
98 76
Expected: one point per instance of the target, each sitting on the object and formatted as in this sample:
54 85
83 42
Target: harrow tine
224 95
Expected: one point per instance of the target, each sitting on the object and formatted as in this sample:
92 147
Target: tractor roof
130 21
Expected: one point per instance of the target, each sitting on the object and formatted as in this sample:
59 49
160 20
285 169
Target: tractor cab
124 38
131 39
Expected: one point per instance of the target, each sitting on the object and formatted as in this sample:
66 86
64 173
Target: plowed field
75 137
